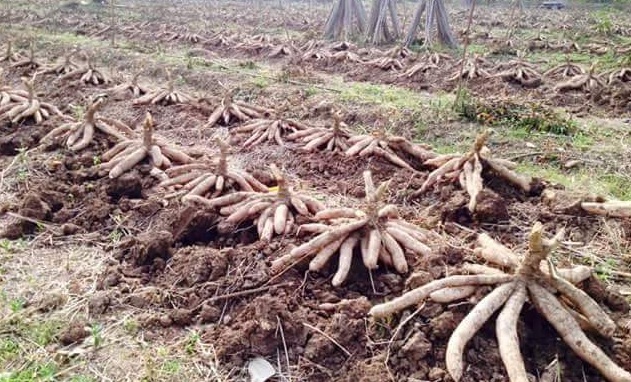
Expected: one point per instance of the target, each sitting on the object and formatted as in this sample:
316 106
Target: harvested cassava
9 95
9 55
614 208
468 168
269 129
316 54
519 71
345 56
87 74
334 139
28 62
133 87
527 282
273 212
229 111
475 67
375 229
390 147
419 68
20 105
587 82
622 75
130 152
67 65
164 96
78 135
208 179
385 63
567 69
288 49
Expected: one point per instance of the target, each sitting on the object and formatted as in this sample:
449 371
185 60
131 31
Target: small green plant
260 82
604 25
17 304
131 326
171 367
96 160
9 349
44 333
191 342
96 331
6 246
23 166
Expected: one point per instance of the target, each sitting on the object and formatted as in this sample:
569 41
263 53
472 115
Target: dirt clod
74 333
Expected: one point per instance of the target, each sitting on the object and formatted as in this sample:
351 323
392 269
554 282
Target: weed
9 349
43 333
249 64
260 82
191 342
171 367
17 304
96 160
37 372
527 118
96 331
131 326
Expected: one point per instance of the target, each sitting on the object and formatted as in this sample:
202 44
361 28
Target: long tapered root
79 135
130 152
375 231
468 169
533 278
274 213
573 335
506 331
18 105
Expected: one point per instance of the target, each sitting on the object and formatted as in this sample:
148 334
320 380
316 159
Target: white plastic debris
260 370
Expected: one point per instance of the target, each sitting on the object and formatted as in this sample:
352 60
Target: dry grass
117 348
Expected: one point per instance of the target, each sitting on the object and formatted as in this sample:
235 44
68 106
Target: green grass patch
609 185
383 95
523 119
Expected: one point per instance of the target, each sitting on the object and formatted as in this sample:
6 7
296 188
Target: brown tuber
273 212
128 153
375 229
334 139
210 180
79 134
468 168
526 282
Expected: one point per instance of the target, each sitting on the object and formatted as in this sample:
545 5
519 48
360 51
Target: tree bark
348 17
436 13
378 29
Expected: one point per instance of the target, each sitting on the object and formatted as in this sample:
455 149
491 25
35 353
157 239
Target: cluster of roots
79 135
518 279
130 152
467 170
229 111
163 96
209 180
273 211
20 105
375 229
333 139
390 147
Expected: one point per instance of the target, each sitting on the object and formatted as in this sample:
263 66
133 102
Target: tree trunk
340 22
378 29
436 13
